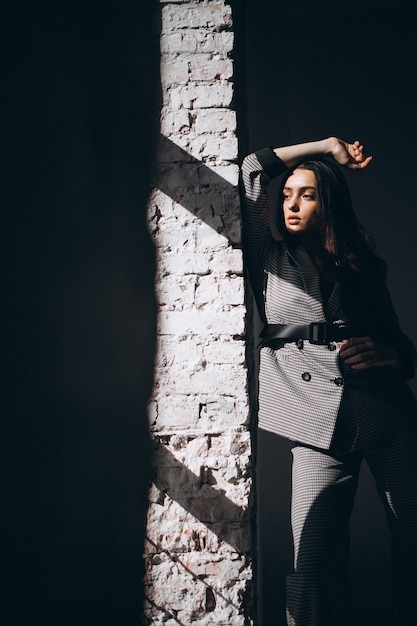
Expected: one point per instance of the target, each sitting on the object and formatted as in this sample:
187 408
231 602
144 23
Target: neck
312 243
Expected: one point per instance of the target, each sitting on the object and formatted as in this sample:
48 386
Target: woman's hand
363 352
349 154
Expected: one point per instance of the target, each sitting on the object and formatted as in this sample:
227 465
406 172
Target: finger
361 358
360 165
355 355
348 352
357 147
350 343
366 162
355 165
355 341
363 365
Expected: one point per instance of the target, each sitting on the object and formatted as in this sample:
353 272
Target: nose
293 207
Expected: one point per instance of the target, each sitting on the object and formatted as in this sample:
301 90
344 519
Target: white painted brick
225 149
174 239
222 290
222 261
177 412
226 262
215 485
174 350
217 199
207 121
208 69
189 16
178 214
222 211
188 142
231 351
215 380
223 146
228 173
189 41
218 417
217 94
208 240
174 72
203 322
175 290
175 98
173 529
174 122
226 577
198 413
171 43
152 412
193 263
207 289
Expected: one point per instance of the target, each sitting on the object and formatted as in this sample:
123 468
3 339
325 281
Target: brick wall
198 551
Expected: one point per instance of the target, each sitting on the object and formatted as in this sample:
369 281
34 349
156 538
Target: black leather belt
319 333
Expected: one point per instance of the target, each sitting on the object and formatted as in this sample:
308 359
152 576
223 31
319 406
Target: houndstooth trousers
324 488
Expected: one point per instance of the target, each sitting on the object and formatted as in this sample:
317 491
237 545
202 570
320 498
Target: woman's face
301 203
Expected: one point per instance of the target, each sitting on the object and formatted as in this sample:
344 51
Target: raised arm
350 155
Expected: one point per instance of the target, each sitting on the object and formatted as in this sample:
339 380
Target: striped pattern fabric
308 395
324 488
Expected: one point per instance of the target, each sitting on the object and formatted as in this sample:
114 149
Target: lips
293 220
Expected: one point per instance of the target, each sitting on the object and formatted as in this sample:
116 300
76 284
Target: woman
333 370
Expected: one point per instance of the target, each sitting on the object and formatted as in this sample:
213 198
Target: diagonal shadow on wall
202 190
204 498
207 194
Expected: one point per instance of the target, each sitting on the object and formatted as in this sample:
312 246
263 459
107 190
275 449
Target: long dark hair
345 243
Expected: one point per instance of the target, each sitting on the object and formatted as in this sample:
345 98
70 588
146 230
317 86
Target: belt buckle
319 333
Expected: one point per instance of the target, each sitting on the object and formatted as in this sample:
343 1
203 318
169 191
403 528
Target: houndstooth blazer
306 393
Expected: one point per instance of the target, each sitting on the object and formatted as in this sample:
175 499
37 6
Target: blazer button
306 376
338 381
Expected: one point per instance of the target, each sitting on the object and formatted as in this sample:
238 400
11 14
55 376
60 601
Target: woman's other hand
349 154
364 352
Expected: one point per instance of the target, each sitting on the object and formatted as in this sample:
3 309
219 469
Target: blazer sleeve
256 172
387 327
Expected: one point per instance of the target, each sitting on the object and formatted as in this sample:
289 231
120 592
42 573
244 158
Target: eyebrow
301 188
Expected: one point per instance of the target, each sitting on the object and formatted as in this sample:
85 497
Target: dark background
315 69
80 118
